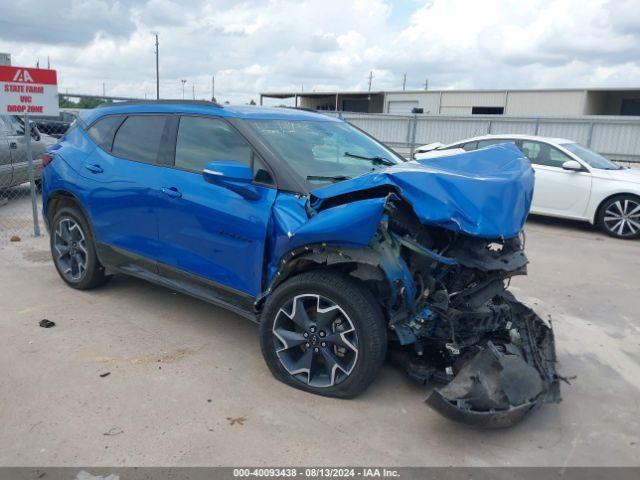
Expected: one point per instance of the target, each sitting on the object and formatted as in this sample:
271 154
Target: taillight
46 158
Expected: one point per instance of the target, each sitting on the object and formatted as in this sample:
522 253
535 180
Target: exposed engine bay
439 250
496 356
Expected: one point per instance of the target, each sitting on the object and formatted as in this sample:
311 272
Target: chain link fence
22 145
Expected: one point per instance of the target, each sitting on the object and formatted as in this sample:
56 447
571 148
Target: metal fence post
537 126
32 180
590 135
412 140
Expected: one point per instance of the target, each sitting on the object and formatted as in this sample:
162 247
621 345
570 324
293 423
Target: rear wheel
73 250
620 217
323 332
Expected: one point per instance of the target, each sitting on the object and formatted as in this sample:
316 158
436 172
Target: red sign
28 90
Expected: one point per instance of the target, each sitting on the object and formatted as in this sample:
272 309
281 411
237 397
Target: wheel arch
596 216
63 198
359 263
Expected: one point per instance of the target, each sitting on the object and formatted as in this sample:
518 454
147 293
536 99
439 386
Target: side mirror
35 133
232 175
572 165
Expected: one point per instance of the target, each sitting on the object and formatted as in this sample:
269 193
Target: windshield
324 152
594 159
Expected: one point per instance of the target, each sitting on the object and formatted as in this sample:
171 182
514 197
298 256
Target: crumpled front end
505 376
438 245
495 356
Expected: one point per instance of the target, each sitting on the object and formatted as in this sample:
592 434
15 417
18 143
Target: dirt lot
180 369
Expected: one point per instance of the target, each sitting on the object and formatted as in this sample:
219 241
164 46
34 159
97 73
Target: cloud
252 45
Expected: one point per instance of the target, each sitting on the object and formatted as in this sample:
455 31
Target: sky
255 46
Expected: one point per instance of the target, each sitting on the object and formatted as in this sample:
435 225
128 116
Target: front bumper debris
503 381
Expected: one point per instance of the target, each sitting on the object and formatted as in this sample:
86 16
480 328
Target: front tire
323 332
74 252
620 217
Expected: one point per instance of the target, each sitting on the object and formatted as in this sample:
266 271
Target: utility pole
103 90
157 71
404 82
193 91
213 88
183 82
426 84
370 79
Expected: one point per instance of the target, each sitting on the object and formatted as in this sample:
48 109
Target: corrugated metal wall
614 137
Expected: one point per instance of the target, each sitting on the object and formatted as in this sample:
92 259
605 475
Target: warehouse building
546 102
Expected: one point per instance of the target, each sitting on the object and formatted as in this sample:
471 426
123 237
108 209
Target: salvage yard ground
133 374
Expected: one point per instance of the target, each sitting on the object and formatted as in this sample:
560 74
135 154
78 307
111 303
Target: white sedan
571 181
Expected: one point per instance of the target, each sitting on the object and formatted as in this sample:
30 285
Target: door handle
94 168
172 192
13 145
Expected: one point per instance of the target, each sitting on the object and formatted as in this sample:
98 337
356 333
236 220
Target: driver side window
203 139
540 153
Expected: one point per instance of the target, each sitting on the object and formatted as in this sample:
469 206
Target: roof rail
205 103
304 109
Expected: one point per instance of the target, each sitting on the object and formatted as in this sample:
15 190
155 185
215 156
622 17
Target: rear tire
620 217
323 332
73 250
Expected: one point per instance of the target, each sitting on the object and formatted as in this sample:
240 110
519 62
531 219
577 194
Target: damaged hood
485 193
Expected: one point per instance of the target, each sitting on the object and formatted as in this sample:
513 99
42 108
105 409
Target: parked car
55 126
14 166
334 244
571 181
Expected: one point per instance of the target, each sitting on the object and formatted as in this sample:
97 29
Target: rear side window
469 146
102 131
202 140
140 138
493 141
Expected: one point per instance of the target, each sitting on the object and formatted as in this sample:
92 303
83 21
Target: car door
557 192
120 181
6 170
207 231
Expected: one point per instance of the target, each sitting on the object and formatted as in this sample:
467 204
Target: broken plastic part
502 382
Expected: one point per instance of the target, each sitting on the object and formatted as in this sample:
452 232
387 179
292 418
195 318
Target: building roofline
284 94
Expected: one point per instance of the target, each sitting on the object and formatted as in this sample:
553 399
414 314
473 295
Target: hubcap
315 340
623 217
70 249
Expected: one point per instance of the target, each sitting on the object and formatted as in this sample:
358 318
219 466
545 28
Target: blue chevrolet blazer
344 252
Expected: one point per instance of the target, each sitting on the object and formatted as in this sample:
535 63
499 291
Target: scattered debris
113 431
44 323
15 238
106 374
238 420
82 475
35 425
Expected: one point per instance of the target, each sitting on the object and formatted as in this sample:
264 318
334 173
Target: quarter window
140 137
543 154
102 131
